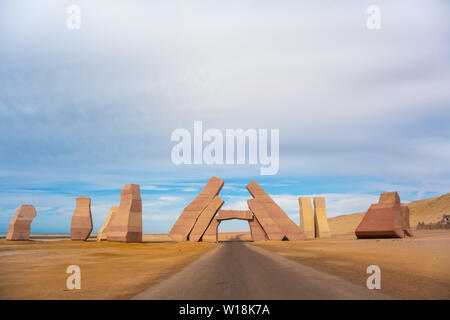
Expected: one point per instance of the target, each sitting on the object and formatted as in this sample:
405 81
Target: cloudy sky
84 112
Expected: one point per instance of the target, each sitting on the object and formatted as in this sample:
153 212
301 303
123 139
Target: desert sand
109 270
411 268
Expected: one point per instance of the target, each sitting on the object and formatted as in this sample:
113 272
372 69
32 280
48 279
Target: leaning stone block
102 233
272 230
257 231
210 234
126 225
288 228
81 226
186 221
205 219
383 219
320 218
20 225
307 224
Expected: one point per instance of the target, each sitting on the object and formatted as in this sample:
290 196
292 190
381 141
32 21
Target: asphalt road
239 270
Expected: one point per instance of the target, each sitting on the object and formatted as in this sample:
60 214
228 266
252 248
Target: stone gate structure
200 220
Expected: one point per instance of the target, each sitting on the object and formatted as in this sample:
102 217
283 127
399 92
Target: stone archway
267 221
257 232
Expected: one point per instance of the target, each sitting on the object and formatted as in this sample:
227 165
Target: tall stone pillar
307 223
126 225
320 218
20 225
81 226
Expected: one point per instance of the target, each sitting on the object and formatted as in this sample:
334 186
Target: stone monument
81 226
126 224
20 225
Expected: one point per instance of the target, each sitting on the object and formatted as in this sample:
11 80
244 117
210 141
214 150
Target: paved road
239 270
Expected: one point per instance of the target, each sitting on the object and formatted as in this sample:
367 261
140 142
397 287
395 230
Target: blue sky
84 112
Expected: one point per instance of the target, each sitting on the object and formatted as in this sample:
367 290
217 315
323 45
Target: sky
84 112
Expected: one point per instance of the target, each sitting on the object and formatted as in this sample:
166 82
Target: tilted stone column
210 234
320 218
102 233
205 219
186 221
20 225
257 231
288 228
271 229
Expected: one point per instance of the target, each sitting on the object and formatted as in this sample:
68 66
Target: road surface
238 270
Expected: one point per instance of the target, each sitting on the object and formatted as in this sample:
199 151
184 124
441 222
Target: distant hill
428 210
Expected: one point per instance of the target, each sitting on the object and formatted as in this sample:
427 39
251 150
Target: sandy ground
109 270
411 268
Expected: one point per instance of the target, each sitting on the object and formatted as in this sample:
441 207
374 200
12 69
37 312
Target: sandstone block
405 220
257 231
307 224
234 214
102 233
210 234
383 219
126 224
205 219
81 226
20 225
322 230
269 226
288 228
186 221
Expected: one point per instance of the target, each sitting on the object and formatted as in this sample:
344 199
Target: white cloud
348 101
170 198
153 188
190 189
